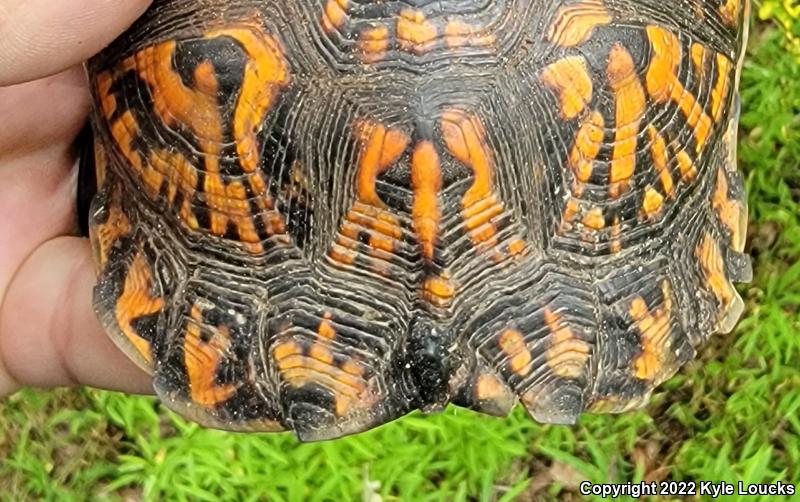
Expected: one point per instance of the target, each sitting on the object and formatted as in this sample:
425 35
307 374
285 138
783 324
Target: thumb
43 37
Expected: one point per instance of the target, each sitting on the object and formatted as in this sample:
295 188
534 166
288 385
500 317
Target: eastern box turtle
320 215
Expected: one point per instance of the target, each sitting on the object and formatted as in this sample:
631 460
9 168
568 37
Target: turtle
318 216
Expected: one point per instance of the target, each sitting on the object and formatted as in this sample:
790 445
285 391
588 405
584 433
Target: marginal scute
321 380
109 232
204 349
655 330
729 10
731 211
721 87
137 301
568 354
712 265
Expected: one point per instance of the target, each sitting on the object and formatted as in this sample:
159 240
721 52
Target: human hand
49 335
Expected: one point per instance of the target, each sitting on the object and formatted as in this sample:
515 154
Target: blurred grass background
734 414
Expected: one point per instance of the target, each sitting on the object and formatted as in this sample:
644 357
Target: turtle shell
321 215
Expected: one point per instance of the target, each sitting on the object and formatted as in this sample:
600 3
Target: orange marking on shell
438 291
567 355
652 203
352 367
100 163
265 74
698 58
588 140
298 370
382 243
489 204
710 257
345 381
383 229
326 330
513 345
335 15
342 255
658 151
480 226
663 84
719 93
572 209
321 353
108 103
350 230
373 43
415 32
174 103
574 24
517 247
177 170
616 232
595 219
286 349
202 361
731 212
426 182
489 388
123 131
730 12
205 78
460 34
630 108
654 329
137 301
343 405
380 149
187 215
686 166
570 79
379 220
197 109
105 235
465 139
229 202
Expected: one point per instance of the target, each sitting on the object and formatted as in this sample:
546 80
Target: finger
43 113
49 335
44 37
37 201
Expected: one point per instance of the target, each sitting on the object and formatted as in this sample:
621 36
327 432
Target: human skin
49 335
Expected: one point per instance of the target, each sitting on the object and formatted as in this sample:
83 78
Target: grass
734 414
